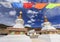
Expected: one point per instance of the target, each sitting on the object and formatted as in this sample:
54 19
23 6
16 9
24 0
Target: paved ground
24 38
33 39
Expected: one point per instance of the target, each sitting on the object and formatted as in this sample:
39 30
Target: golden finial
45 19
20 16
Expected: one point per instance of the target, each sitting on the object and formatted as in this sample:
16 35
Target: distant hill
2 26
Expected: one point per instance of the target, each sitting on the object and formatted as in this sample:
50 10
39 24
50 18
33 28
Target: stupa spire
47 27
45 19
20 16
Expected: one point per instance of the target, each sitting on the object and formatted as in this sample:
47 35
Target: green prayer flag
51 5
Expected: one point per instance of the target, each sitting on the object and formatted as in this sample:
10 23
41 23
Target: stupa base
17 30
50 37
15 38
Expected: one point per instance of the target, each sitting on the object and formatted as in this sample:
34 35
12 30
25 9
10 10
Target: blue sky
32 17
33 0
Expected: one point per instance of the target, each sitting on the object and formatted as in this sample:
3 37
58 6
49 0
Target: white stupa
18 27
17 32
19 22
46 26
49 33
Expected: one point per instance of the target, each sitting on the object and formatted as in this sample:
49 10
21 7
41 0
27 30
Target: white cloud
35 12
32 16
22 1
13 0
29 21
56 25
32 12
7 5
12 13
27 25
32 20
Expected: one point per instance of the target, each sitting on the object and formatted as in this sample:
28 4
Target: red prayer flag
28 5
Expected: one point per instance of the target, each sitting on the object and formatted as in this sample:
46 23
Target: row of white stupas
49 33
